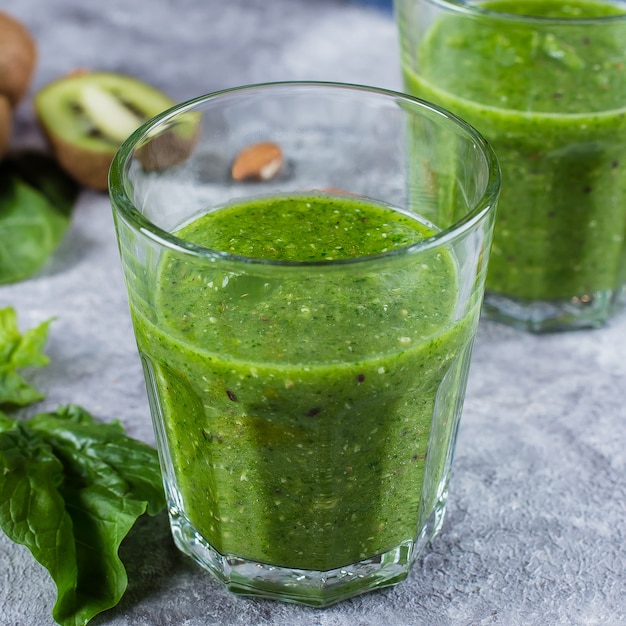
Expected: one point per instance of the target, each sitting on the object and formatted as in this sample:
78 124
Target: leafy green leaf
45 174
71 490
18 351
36 200
32 510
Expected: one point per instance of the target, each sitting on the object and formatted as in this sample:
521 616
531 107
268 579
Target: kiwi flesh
86 116
18 55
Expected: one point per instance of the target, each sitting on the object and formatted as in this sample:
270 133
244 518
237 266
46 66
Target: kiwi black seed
87 115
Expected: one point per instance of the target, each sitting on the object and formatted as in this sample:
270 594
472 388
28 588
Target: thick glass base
589 311
313 588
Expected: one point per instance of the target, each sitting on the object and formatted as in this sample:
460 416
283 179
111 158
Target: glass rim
124 207
475 9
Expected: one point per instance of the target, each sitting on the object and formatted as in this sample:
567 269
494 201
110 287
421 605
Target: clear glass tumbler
305 267
545 83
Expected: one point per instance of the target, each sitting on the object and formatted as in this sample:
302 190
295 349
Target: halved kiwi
17 58
86 116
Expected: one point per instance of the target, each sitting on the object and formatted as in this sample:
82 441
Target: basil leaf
36 199
18 351
89 482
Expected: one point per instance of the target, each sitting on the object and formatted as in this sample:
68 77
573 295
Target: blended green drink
545 82
298 412
305 311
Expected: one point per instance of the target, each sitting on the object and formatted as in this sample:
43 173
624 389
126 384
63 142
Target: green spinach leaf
70 490
19 351
36 201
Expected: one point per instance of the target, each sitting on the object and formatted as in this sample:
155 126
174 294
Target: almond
259 161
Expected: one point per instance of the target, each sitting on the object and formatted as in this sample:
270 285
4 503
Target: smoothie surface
297 315
317 227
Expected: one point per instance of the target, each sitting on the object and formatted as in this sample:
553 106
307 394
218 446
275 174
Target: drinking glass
545 83
305 398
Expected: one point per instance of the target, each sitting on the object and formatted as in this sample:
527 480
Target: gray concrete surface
536 524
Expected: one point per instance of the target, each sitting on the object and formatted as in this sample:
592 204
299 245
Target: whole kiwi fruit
6 124
18 55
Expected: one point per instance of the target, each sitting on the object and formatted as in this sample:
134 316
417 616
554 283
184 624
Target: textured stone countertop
536 527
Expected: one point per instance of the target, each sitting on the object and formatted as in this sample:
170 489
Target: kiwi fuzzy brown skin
18 56
90 170
6 124
84 132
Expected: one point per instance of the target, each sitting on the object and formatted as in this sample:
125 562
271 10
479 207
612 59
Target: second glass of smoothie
545 82
305 267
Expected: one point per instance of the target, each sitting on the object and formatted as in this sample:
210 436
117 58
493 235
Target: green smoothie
298 409
552 101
